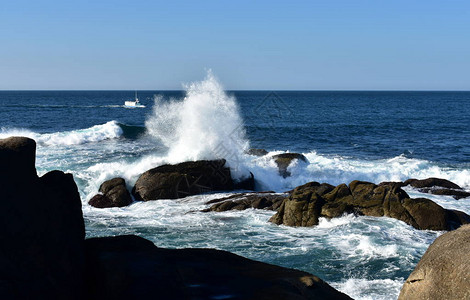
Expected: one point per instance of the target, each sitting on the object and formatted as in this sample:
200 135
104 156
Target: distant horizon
228 90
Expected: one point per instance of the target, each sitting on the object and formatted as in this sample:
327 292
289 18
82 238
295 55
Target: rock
313 200
432 182
268 201
256 152
41 228
114 194
457 194
285 159
184 179
128 267
443 271
247 183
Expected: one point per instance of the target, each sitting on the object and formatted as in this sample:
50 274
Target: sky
249 45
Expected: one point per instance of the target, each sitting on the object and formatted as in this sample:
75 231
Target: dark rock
114 194
443 271
129 267
313 200
285 159
41 228
245 183
256 152
244 201
184 179
457 194
432 182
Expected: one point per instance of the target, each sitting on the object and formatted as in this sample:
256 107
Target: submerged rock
256 152
284 160
184 179
113 194
128 267
268 201
41 228
313 200
443 271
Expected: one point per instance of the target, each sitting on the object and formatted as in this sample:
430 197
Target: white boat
135 103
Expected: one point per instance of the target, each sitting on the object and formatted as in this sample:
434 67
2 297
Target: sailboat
135 103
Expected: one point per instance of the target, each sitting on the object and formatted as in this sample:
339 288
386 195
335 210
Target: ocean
346 135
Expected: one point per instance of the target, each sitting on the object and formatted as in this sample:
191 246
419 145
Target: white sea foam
364 289
205 124
109 130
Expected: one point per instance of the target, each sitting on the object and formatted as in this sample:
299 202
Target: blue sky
271 45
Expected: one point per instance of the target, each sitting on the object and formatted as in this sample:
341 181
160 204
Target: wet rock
184 179
457 194
313 200
247 183
443 271
285 159
268 201
256 152
128 267
113 194
41 228
432 182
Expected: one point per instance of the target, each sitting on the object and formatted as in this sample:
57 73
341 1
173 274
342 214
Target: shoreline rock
444 270
114 193
284 160
44 254
310 201
267 201
183 179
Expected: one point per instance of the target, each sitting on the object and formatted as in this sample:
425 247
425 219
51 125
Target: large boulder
128 267
114 193
284 160
444 270
268 201
313 200
41 228
184 179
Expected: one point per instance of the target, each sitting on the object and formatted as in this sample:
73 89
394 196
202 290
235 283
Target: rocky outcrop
284 160
268 201
128 267
43 254
113 194
313 200
256 152
41 228
245 183
444 270
438 186
184 179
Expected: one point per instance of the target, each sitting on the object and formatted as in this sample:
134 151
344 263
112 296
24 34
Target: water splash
205 124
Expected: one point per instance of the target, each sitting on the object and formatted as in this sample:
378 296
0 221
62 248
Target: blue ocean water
374 136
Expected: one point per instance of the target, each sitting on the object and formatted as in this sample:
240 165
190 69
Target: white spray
205 124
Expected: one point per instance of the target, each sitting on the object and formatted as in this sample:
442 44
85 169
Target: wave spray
205 124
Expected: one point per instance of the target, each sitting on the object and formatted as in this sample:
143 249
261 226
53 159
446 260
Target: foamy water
365 257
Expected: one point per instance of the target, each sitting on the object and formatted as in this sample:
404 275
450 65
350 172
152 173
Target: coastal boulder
41 228
313 200
284 160
113 194
184 179
444 270
115 270
267 200
438 186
